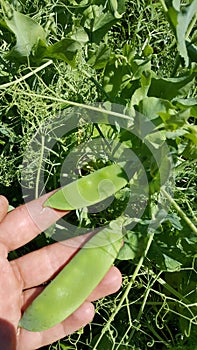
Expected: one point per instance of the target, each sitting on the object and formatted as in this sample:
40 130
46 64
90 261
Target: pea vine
131 64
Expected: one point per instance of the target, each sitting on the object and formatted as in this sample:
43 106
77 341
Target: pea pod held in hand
75 282
89 189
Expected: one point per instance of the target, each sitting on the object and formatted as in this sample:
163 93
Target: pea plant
104 92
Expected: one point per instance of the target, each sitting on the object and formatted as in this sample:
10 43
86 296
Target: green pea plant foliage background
86 84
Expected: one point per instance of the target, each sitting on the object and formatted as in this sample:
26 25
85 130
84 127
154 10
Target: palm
19 278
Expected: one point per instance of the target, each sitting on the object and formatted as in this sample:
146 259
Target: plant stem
169 288
180 211
163 4
140 311
80 105
39 167
96 84
46 64
125 294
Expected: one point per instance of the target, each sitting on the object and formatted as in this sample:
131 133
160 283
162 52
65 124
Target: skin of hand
21 279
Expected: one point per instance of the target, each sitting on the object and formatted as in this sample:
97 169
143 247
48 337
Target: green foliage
141 55
181 17
27 32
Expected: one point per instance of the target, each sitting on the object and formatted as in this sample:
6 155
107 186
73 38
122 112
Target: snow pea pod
75 282
89 190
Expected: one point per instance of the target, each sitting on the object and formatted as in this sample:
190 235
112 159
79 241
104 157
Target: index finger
25 222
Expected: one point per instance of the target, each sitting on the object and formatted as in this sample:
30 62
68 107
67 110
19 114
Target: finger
34 340
110 284
26 222
3 207
41 265
29 295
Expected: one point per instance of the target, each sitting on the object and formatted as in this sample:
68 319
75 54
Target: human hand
20 279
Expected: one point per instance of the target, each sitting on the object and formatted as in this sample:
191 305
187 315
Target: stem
125 294
140 311
76 104
163 4
5 86
191 212
152 329
176 65
180 211
96 83
169 288
39 167
104 139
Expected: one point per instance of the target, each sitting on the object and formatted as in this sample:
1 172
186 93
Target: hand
20 279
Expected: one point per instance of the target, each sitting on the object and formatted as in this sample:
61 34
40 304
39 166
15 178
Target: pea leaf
190 151
100 58
142 91
27 32
192 51
115 74
97 22
65 50
152 107
181 17
169 88
130 247
117 7
80 35
160 257
186 103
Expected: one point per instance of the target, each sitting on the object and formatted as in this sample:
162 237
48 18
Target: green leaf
190 151
117 7
65 50
7 132
167 262
101 57
185 103
169 88
148 51
139 66
192 135
80 35
174 219
171 263
173 121
27 32
130 247
181 18
115 73
141 93
174 134
192 51
65 347
97 22
152 107
156 138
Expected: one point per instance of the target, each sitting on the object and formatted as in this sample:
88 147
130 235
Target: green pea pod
75 282
89 190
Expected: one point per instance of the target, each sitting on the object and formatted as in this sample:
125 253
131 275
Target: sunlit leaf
181 17
169 88
65 50
27 32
